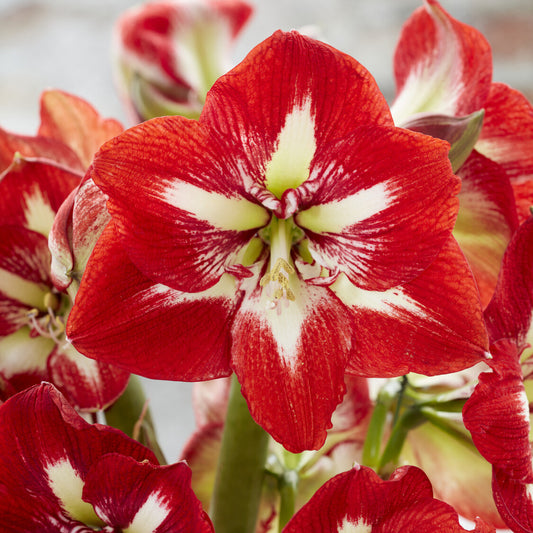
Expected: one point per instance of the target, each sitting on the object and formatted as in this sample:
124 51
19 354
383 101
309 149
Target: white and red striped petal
88 385
154 330
74 122
45 458
32 191
289 72
382 205
441 66
144 497
179 201
486 220
290 361
359 501
507 133
431 325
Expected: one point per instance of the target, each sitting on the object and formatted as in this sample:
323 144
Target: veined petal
358 501
88 385
507 133
186 335
384 202
299 352
74 122
290 74
140 497
441 65
497 415
45 458
32 191
431 325
486 220
193 215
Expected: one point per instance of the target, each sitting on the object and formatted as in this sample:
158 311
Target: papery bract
293 181
60 474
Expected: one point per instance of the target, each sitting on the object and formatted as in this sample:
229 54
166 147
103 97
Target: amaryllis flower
358 500
33 308
168 53
291 235
443 71
59 473
498 413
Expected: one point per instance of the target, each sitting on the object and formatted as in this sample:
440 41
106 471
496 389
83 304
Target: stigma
276 285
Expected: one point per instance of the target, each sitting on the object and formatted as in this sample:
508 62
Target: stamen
276 283
47 323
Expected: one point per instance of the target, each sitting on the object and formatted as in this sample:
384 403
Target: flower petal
154 331
176 192
76 123
359 501
441 65
384 204
32 191
290 71
294 380
507 133
44 459
432 325
88 385
486 220
140 497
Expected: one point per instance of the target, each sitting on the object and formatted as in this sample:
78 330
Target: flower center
51 322
276 282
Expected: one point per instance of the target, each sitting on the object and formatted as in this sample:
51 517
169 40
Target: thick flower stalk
60 474
168 53
291 235
42 173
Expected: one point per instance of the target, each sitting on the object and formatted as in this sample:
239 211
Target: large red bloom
289 235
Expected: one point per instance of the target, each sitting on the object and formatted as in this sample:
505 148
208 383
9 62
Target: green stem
288 489
241 469
130 409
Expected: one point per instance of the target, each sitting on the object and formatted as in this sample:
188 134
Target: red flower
60 474
33 308
443 69
290 235
359 501
169 53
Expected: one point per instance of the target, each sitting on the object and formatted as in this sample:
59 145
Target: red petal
125 319
76 123
32 191
381 207
291 364
33 448
486 220
178 195
441 65
88 385
359 499
252 101
144 497
509 313
431 325
507 133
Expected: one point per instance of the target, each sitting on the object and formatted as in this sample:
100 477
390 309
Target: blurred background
65 44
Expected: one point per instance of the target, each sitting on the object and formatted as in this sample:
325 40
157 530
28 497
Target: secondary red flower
60 474
33 308
359 501
169 53
290 235
443 70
